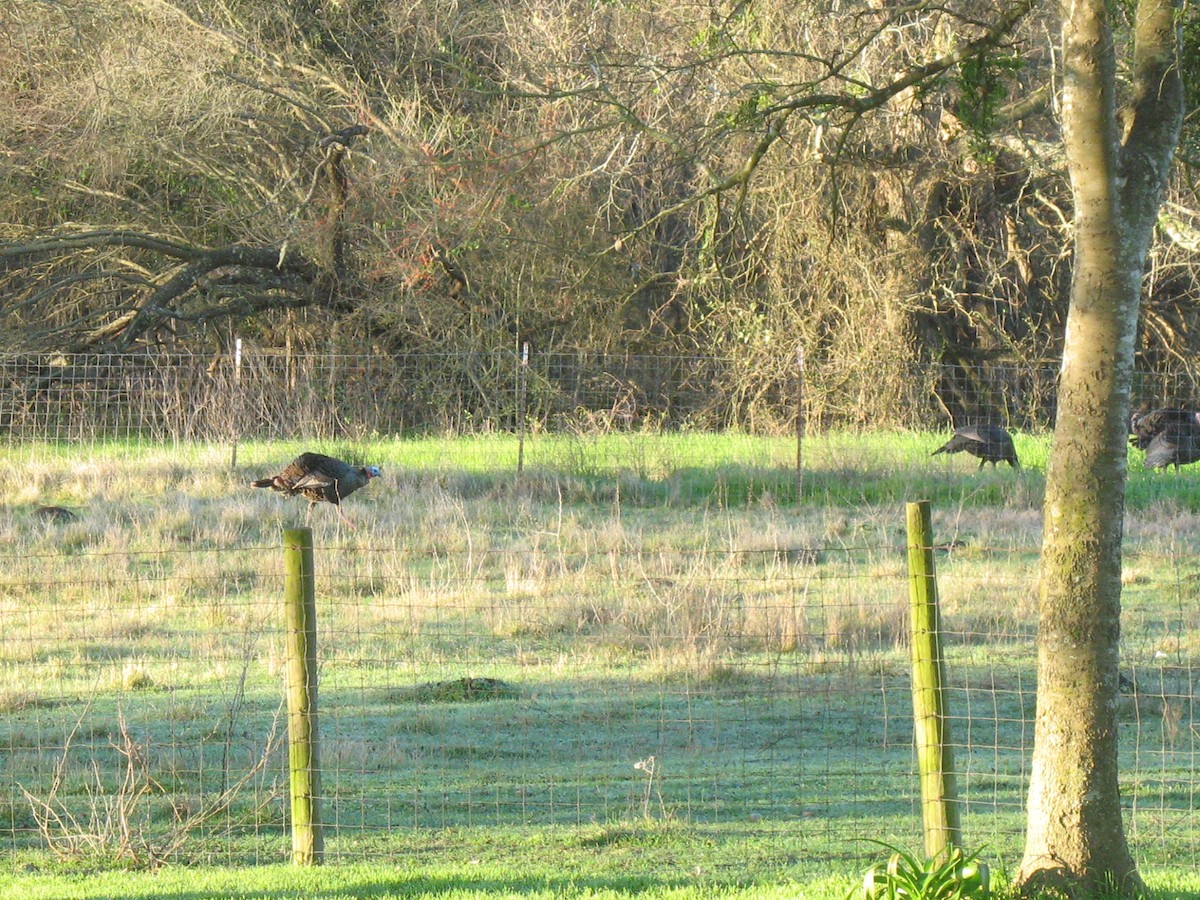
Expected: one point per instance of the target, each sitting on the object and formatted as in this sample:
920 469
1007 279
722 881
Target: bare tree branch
293 279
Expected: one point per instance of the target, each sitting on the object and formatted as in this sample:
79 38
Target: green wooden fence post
303 757
935 755
800 423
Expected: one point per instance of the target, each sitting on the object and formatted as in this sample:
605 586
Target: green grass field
700 681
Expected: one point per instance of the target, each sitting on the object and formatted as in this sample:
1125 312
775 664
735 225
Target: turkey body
1177 444
1144 427
990 443
319 479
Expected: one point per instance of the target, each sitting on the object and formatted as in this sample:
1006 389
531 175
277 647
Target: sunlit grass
640 594
840 469
557 866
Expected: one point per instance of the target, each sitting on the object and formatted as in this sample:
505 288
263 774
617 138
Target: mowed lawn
648 665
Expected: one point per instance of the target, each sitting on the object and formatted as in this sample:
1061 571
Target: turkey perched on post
990 443
319 479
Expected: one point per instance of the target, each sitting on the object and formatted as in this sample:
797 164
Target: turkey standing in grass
990 443
1177 444
319 478
1144 427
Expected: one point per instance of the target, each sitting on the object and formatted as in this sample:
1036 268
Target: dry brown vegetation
737 178
143 650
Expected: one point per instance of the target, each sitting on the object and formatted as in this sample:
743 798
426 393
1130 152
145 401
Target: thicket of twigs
879 185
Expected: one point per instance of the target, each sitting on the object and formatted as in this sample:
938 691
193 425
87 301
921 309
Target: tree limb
103 237
1155 113
272 259
877 97
278 267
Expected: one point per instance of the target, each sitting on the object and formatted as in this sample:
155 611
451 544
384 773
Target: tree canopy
870 181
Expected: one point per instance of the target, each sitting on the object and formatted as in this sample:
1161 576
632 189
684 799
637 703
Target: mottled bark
1075 840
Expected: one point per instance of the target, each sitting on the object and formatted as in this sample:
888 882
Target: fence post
931 727
303 745
800 424
522 388
236 418
330 401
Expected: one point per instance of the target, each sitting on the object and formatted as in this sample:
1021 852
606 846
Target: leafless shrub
113 822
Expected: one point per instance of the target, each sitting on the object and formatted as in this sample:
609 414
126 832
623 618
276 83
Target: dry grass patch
17 699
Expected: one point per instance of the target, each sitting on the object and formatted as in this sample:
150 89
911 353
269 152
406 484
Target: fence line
253 393
536 687
540 668
258 393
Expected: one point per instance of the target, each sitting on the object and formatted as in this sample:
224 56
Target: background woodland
879 184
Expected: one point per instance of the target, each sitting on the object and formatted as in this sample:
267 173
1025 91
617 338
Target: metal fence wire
256 393
253 393
141 718
180 397
547 668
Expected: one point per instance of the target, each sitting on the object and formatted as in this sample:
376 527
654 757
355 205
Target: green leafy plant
984 83
945 877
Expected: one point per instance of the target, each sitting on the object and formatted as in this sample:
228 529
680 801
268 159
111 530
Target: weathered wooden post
931 727
236 418
800 424
522 388
303 745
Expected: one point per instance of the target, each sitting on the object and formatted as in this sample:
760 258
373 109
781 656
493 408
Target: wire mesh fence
647 634
252 394
140 712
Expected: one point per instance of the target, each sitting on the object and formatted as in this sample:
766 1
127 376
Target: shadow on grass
334 882
451 885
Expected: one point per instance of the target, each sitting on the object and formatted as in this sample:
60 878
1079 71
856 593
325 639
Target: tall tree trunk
1075 840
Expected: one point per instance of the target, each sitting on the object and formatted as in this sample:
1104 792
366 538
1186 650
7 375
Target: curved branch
854 105
269 259
877 97
103 237
245 305
271 267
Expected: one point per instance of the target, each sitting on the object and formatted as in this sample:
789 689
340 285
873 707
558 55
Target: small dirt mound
458 690
59 515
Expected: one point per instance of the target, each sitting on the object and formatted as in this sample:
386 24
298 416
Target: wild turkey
1176 444
990 443
319 478
1145 426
